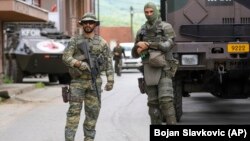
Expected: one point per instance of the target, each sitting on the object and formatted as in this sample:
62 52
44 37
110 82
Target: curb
11 90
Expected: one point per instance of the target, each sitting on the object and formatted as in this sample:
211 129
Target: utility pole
131 22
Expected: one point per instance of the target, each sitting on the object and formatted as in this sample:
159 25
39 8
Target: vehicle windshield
127 46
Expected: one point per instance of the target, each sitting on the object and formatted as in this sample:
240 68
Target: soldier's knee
73 113
166 100
167 104
153 103
75 109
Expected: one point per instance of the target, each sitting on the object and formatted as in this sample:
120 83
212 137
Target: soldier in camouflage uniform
81 86
118 51
156 35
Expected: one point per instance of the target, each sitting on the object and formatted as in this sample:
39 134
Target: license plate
238 47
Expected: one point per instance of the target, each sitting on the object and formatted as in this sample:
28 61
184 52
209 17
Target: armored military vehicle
212 46
34 48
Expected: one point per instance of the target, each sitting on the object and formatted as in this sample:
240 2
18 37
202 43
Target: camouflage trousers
160 101
118 65
91 108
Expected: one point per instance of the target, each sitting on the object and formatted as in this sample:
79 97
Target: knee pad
166 100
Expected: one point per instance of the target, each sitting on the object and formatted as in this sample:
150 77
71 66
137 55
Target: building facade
69 12
74 10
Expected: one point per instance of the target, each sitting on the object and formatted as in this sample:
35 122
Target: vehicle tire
64 78
16 72
53 78
178 91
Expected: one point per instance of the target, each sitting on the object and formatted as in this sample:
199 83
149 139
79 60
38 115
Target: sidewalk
11 90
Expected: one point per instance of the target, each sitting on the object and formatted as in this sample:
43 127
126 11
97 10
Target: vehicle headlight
190 59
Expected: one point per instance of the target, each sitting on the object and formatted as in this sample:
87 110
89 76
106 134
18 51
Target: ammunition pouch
65 94
157 58
141 85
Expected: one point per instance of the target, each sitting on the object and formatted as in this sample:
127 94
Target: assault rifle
93 64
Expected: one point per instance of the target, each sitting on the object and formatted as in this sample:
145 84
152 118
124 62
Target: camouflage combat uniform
81 86
159 89
118 59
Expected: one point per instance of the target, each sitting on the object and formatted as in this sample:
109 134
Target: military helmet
89 17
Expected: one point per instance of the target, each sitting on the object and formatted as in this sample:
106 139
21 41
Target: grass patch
2 99
7 80
40 85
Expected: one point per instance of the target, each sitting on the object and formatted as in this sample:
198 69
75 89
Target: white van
129 62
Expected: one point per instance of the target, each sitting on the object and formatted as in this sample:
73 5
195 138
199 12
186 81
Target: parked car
129 62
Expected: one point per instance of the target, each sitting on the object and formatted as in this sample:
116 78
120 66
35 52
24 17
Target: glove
109 86
84 66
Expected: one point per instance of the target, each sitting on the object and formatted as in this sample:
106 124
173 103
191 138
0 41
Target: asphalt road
40 115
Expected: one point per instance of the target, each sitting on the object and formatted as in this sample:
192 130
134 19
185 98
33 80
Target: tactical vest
95 48
154 34
96 53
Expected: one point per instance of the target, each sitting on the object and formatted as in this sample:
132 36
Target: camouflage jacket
160 36
98 46
117 52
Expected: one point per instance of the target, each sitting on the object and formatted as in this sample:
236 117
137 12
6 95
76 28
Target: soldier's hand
143 45
109 86
139 50
77 64
84 66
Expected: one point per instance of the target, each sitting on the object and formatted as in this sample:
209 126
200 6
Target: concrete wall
74 9
47 4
